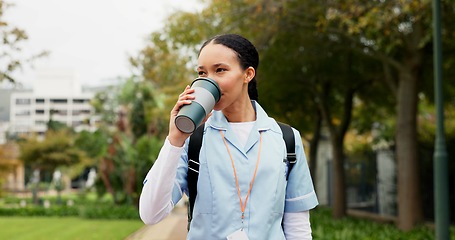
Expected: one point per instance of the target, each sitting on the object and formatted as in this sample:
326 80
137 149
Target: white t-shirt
242 131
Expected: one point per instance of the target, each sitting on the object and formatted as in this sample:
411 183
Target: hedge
89 211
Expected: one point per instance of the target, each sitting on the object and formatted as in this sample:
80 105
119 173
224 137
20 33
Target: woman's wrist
176 141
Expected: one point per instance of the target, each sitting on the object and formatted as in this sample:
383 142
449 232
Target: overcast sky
92 37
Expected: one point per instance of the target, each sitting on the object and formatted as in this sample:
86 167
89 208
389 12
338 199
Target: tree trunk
106 167
130 185
409 197
337 133
314 143
339 191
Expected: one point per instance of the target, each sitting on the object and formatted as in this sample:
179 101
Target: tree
162 72
143 106
4 170
12 39
127 144
56 150
131 162
396 33
139 124
320 75
94 144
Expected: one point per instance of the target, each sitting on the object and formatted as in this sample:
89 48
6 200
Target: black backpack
194 148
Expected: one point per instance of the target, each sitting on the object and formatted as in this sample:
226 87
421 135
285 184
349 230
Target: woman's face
221 64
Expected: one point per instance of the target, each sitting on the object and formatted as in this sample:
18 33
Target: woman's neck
240 111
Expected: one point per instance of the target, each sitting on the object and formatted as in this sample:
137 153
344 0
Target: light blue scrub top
217 211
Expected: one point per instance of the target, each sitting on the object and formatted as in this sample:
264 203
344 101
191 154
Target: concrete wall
386 178
324 171
386 181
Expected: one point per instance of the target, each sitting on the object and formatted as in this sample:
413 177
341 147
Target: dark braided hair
246 52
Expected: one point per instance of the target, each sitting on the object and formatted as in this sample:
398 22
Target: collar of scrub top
263 123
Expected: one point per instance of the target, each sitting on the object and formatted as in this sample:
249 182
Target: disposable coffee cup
207 93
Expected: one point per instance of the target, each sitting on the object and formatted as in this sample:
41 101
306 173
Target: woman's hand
177 137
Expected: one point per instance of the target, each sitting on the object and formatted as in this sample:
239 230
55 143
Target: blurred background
86 88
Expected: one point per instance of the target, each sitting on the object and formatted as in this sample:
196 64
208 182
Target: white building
56 94
5 96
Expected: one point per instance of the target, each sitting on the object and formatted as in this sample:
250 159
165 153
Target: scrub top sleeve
300 194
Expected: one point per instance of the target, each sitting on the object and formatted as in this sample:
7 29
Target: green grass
67 228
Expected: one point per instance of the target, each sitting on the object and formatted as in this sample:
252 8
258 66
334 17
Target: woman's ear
249 74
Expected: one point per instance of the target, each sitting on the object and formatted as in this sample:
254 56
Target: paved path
173 227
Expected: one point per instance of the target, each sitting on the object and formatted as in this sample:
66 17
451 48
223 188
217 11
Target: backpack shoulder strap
194 147
289 139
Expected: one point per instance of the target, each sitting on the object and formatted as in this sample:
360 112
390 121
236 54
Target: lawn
68 228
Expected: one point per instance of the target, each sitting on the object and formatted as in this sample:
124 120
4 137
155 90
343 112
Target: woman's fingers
187 91
175 136
185 98
187 95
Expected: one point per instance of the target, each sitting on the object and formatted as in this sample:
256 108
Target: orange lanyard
243 204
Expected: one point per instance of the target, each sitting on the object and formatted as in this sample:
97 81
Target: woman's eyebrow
214 65
220 65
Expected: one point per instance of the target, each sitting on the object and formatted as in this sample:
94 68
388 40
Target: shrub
325 227
101 209
35 211
90 212
109 212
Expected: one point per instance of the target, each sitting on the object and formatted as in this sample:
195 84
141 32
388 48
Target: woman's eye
201 73
220 69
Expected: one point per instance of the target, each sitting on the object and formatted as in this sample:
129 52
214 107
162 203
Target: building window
23 101
81 112
79 100
77 123
59 100
39 111
23 113
59 112
39 100
40 122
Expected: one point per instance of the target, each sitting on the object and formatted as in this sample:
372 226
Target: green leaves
57 149
384 26
326 228
12 39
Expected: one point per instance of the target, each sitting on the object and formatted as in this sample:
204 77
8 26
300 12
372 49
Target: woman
242 188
